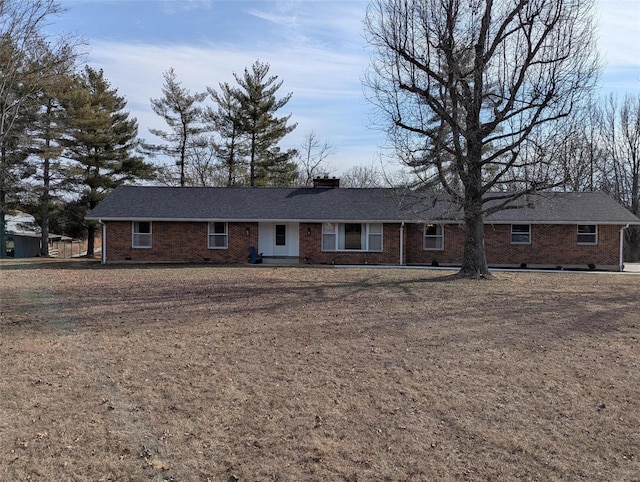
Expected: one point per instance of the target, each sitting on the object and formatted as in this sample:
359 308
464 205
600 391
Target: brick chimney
326 182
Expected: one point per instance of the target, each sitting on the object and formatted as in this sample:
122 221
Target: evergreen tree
27 56
15 113
180 110
268 164
47 131
226 122
101 144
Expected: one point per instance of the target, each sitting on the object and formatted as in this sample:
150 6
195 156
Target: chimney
326 182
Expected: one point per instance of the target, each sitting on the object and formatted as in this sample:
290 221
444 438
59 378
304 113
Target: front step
281 260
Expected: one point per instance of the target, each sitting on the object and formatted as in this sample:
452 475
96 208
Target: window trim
331 233
135 235
436 236
594 234
211 234
520 233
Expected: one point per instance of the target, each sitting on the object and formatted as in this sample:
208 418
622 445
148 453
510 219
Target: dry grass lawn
196 373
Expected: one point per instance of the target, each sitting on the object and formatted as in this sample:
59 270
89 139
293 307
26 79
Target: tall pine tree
102 142
226 122
181 111
268 164
47 131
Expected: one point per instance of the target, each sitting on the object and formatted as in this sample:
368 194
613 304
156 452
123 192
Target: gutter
402 243
621 260
104 242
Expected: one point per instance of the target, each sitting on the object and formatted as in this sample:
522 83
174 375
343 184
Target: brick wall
182 242
551 245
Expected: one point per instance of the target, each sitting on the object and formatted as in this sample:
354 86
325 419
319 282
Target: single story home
326 224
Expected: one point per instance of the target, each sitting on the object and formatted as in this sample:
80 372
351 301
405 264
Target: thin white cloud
170 7
619 32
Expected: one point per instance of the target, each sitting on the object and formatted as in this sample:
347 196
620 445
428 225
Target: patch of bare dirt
196 373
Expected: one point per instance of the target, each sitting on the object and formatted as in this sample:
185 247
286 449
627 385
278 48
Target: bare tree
579 153
463 86
312 157
205 169
362 177
621 139
29 59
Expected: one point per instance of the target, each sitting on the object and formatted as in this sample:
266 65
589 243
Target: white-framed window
352 237
141 234
587 234
433 237
520 234
218 235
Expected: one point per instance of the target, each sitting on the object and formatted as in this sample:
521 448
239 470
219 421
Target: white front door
279 239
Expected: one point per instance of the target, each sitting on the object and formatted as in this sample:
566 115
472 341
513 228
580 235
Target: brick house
329 225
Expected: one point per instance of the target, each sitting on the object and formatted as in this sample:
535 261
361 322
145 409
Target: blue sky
316 47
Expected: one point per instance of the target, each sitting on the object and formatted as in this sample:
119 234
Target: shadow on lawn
11 264
485 306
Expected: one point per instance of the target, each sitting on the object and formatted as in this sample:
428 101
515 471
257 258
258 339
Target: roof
247 204
137 203
22 224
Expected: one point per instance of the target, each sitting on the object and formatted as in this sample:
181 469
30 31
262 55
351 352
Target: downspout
104 242
621 260
402 243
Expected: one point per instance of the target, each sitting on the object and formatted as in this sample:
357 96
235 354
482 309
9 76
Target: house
23 235
331 225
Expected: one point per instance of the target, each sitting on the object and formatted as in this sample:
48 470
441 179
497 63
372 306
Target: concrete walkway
632 267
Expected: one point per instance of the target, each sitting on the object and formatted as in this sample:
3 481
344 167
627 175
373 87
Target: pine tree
27 56
268 164
46 132
101 144
226 122
180 110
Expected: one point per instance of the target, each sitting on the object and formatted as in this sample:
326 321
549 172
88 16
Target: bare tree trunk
91 240
46 198
3 239
474 262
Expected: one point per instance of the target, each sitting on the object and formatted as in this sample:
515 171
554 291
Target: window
375 237
433 237
587 234
520 234
281 234
141 234
218 236
352 237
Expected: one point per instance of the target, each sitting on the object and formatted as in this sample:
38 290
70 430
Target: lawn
196 373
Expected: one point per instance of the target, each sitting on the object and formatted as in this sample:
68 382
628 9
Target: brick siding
551 245
180 242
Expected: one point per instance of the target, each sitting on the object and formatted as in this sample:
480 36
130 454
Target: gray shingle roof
318 204
247 204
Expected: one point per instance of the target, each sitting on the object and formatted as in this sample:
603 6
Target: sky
317 48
